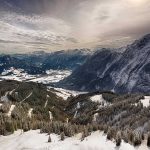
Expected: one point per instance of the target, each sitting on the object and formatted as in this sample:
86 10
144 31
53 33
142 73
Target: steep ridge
29 95
126 72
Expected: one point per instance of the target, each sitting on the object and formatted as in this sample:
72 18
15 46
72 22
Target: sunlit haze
50 25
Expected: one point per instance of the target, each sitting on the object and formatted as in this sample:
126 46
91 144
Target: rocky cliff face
125 72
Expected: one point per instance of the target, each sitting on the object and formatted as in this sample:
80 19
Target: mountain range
39 62
27 106
107 70
126 71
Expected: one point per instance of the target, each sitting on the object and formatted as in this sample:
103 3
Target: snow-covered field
15 74
51 76
65 93
33 140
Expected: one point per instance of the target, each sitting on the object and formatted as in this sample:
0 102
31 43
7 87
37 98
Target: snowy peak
142 42
126 72
39 61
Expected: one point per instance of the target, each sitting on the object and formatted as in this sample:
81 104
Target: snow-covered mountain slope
30 106
39 62
83 107
65 94
15 94
127 72
35 141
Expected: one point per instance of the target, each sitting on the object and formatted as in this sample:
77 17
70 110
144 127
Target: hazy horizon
51 25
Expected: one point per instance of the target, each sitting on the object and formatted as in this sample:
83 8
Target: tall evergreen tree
148 140
62 136
49 139
137 139
118 138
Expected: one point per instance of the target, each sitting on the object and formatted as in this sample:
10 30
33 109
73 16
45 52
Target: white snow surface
15 74
12 70
146 101
51 76
99 99
63 93
33 140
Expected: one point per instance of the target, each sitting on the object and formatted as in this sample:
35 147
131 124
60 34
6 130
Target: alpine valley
76 99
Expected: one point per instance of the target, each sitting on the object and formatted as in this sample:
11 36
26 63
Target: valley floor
33 140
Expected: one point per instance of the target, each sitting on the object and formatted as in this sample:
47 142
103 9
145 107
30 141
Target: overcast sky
29 25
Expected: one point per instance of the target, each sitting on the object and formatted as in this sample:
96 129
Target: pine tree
143 137
130 136
125 136
83 136
25 127
41 130
110 133
49 139
9 126
118 138
137 138
62 136
148 140
105 129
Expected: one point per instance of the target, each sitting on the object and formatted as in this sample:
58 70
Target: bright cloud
29 25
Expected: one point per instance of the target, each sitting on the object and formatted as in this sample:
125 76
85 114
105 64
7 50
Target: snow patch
50 115
65 94
15 74
26 97
95 117
51 76
10 110
75 114
12 91
5 97
97 98
46 103
30 112
78 107
145 101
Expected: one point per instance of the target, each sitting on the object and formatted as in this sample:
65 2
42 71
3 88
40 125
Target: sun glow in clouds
138 2
30 25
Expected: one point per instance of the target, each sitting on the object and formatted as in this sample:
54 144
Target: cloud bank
29 25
